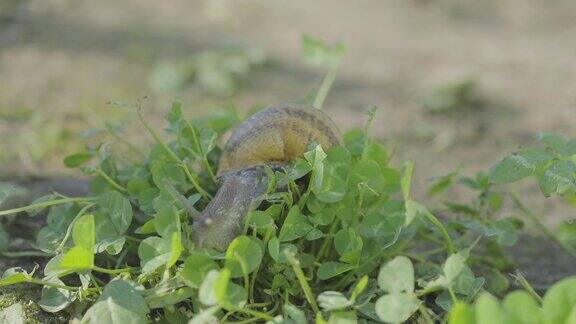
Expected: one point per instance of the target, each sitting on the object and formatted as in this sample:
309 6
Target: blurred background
459 83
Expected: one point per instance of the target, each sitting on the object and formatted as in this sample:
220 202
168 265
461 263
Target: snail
274 137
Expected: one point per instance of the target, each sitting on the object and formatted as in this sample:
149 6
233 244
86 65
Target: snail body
274 136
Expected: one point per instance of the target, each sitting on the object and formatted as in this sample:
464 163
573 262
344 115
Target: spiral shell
277 135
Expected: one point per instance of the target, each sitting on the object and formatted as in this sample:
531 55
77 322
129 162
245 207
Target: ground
62 61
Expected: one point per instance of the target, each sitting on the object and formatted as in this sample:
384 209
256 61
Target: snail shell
277 135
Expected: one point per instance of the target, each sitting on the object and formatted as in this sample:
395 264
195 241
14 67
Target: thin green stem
367 138
254 313
195 183
173 156
69 229
326 242
302 279
326 85
527 286
425 316
49 284
111 181
199 147
449 244
545 230
24 254
452 295
111 271
45 204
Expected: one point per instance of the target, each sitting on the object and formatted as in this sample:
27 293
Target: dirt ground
62 61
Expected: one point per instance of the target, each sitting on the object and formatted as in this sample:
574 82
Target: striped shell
277 135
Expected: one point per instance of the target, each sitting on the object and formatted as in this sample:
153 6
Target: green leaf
503 231
243 256
519 166
521 307
488 310
206 316
118 209
196 267
554 142
78 159
207 291
466 283
497 282
453 266
413 210
9 190
154 252
170 298
13 276
368 174
348 244
359 288
259 220
112 220
119 303
406 180
462 314
560 301
442 184
55 299
176 249
166 221
332 269
332 188
317 52
13 314
396 307
163 172
333 300
397 276
58 220
228 294
559 177
341 317
81 256
295 226
295 313
378 224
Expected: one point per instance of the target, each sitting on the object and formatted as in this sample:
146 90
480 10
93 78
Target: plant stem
173 156
111 271
24 254
111 181
443 231
69 229
527 286
45 204
302 279
367 139
254 313
326 85
199 147
49 284
327 240
534 218
452 295
425 316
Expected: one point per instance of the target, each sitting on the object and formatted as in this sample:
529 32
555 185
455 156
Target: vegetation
338 239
